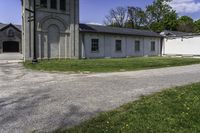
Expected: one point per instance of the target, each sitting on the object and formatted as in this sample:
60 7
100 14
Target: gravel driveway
42 102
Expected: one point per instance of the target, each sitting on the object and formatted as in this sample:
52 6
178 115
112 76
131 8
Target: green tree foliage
136 17
161 16
157 26
157 16
170 21
197 26
157 10
185 24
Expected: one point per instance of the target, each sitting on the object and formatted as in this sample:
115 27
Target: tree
157 26
185 24
158 15
170 21
197 26
158 10
136 17
117 17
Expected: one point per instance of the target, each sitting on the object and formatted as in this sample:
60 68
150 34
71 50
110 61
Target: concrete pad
11 56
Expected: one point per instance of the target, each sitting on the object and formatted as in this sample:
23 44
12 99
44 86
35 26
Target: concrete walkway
11 58
42 102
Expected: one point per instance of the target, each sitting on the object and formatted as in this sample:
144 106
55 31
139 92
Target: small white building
180 44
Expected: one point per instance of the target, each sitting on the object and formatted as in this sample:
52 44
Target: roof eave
158 36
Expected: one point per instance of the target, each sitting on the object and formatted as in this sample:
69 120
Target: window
95 45
43 3
11 33
153 46
137 46
63 5
118 45
53 4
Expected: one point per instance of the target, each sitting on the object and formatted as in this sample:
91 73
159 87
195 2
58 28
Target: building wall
107 46
181 46
4 38
57 31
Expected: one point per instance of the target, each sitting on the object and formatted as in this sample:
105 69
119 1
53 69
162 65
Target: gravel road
41 101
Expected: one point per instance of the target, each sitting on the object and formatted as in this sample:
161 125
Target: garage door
11 46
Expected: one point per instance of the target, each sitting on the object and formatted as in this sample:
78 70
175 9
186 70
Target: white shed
181 44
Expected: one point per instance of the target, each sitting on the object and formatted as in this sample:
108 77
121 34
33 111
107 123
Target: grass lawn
109 65
176 110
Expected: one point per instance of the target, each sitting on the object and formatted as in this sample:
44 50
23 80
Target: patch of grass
109 65
176 110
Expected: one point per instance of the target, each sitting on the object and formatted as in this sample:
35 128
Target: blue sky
94 11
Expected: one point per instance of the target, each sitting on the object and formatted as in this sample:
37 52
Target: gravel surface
41 101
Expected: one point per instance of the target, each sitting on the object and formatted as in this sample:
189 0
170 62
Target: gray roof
18 27
4 25
115 30
176 33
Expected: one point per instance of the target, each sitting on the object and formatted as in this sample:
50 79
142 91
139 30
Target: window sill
94 52
118 51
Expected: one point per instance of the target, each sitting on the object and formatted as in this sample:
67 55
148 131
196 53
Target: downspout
126 51
143 46
83 46
104 41
161 46
74 28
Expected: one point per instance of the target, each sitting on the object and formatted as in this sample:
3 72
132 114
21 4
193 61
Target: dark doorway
10 46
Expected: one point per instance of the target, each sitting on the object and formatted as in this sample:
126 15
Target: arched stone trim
53 20
10 33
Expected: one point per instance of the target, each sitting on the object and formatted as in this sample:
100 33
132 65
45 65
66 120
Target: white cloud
185 6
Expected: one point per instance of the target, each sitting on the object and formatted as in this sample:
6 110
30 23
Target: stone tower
57 28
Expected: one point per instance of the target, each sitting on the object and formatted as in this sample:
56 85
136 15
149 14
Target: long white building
100 41
180 44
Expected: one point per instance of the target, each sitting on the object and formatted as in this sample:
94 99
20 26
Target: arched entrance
55 44
10 46
53 41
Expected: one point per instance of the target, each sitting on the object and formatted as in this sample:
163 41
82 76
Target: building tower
57 28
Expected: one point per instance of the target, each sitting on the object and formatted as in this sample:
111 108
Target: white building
180 44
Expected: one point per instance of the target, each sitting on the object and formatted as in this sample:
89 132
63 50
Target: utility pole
33 19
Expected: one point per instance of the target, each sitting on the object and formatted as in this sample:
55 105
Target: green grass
176 110
109 65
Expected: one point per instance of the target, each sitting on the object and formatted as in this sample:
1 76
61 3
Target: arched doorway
53 41
55 45
10 46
